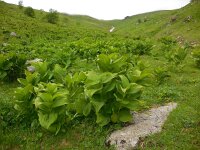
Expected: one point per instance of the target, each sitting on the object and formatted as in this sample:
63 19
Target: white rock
33 61
112 29
145 123
31 69
13 34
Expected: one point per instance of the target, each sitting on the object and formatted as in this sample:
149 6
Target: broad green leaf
46 97
22 81
92 76
120 89
117 64
125 81
107 77
91 92
134 75
59 73
132 105
97 105
124 115
69 80
55 128
81 77
80 104
121 100
61 94
135 88
59 102
87 109
46 120
37 101
103 62
41 67
102 120
109 87
114 118
52 88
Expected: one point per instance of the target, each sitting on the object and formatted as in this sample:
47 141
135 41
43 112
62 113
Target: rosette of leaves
50 105
196 56
161 74
112 92
176 56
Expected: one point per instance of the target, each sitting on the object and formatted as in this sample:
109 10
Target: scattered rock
145 123
33 61
173 18
4 44
31 69
112 29
188 19
13 34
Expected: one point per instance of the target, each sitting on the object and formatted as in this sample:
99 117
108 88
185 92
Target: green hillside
159 23
90 79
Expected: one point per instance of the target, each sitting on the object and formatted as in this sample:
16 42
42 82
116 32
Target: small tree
29 12
20 4
52 16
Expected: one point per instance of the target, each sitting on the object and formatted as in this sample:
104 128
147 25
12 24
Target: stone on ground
145 123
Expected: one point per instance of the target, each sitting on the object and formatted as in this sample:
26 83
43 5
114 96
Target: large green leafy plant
176 57
112 91
38 97
50 104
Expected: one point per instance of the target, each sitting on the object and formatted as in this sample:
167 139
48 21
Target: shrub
11 66
20 4
176 56
52 16
29 11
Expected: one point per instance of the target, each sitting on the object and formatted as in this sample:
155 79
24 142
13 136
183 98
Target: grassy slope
158 23
181 131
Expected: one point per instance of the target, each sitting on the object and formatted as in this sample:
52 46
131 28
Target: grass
37 38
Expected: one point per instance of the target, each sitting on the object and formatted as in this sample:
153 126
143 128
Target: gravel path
145 123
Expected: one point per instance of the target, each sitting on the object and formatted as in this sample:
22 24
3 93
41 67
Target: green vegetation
52 16
29 12
89 79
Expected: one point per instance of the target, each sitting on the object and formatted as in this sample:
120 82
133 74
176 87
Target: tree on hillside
20 4
29 12
52 16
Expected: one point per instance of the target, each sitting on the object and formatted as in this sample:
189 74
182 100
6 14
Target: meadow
85 80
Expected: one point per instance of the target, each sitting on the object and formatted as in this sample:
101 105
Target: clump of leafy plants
50 105
11 66
54 96
176 57
161 74
113 90
196 56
